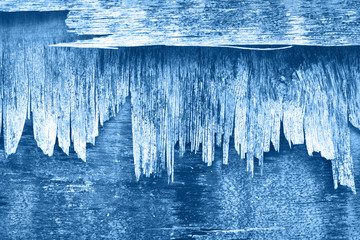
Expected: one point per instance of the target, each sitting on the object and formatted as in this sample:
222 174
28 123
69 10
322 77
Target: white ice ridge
186 95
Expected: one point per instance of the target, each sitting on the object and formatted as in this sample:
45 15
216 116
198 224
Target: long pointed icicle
15 97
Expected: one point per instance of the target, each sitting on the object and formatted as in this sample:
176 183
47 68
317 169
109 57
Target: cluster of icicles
185 95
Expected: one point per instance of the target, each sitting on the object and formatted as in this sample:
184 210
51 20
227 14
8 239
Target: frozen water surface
289 117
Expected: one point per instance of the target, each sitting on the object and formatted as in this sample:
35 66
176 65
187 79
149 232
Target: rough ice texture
186 95
65 92
204 96
206 23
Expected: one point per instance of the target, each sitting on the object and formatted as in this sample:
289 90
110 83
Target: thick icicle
43 92
15 95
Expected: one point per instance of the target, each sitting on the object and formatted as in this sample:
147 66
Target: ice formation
186 95
66 93
204 96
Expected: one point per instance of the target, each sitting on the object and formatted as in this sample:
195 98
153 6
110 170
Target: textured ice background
64 197
206 22
196 96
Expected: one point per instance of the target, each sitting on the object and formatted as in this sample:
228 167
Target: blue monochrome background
179 119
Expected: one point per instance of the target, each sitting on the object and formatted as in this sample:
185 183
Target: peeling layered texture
205 23
185 96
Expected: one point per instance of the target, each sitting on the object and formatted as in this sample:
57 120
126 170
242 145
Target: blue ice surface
62 197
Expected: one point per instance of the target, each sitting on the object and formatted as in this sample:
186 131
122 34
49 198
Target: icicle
15 97
65 84
42 98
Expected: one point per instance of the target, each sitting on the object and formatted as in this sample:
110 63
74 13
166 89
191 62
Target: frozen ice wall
23 39
65 92
202 97
185 96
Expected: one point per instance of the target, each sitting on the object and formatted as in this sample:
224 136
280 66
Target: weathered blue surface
207 22
62 197
65 198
